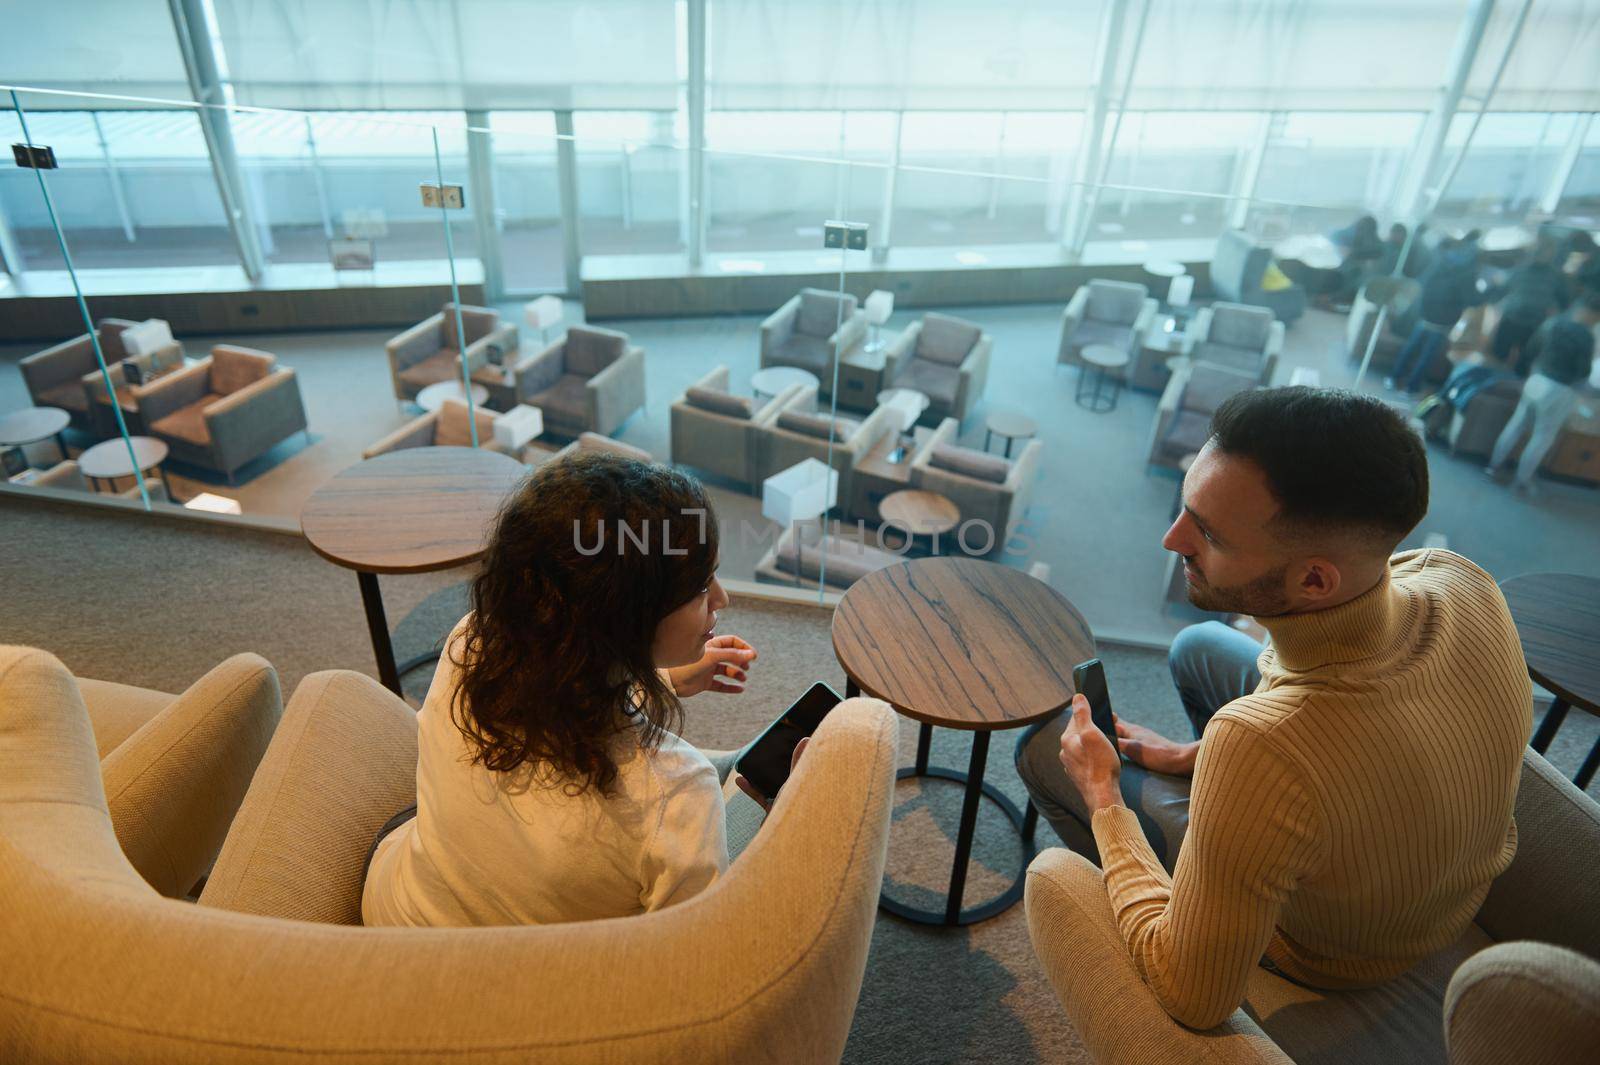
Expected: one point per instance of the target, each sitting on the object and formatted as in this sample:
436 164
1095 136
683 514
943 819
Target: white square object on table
543 312
907 403
804 491
148 336
515 428
879 305
214 503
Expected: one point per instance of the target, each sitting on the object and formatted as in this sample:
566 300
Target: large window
527 199
1175 174
631 181
1344 162
1580 200
1508 168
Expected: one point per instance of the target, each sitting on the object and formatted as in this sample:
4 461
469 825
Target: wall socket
454 198
852 235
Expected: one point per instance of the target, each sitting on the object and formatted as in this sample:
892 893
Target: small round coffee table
1010 426
432 398
1101 363
1558 623
411 511
919 512
964 644
108 460
774 379
32 424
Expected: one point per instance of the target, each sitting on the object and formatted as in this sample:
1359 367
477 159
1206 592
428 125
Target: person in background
1448 288
1362 252
1393 246
1534 291
1562 356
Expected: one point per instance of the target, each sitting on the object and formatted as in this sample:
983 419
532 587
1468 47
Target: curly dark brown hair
584 562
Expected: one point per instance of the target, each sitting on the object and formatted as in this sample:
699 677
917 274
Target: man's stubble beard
1260 597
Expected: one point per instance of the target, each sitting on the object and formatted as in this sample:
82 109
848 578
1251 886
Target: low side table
1009 426
1558 624
1101 363
964 644
108 460
432 398
919 513
33 424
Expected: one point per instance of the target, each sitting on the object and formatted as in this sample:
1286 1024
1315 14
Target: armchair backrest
1240 326
946 339
477 322
820 313
1116 302
1237 267
453 429
234 368
591 349
64 475
1209 386
111 330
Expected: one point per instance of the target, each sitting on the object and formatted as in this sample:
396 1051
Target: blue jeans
1211 665
1423 346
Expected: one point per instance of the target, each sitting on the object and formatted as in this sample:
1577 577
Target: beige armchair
984 487
1393 295
848 556
1183 416
590 442
266 969
66 476
1238 337
1533 997
54 376
591 380
1115 313
944 358
226 410
446 427
429 352
796 434
811 331
717 432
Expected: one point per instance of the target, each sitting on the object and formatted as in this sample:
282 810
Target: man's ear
1320 580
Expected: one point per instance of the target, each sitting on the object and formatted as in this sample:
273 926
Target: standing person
1534 291
1449 287
1348 797
1562 356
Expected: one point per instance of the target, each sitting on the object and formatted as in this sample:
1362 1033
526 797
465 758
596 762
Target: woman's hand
722 668
750 789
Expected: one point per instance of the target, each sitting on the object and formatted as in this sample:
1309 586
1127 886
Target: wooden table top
32 423
1011 424
410 511
961 643
109 458
924 513
1558 621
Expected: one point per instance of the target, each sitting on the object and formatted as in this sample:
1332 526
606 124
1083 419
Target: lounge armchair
1237 337
944 358
446 427
811 331
1473 431
1183 416
224 411
55 375
591 380
718 432
592 442
1117 313
67 477
1396 295
984 487
1236 272
795 435
848 559
429 351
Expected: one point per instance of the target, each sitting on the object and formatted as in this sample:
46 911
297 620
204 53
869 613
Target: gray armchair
811 331
1183 416
944 358
446 427
849 557
55 375
429 351
1117 313
591 442
718 432
591 380
1236 272
1396 295
983 487
226 410
795 435
1237 337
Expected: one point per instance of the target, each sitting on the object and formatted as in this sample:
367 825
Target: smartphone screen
766 763
1090 680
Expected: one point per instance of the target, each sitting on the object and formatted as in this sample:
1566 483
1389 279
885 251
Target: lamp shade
543 312
907 403
803 491
1180 290
879 305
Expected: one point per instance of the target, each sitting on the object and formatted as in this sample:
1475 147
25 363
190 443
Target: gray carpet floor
157 602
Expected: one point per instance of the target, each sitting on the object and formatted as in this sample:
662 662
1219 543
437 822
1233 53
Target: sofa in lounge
593 442
796 434
225 410
1240 338
718 432
1183 415
984 487
54 376
1236 275
1393 295
946 359
449 426
591 380
845 556
810 331
430 351
1116 313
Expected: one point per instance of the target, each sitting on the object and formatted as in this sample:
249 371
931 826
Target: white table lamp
543 313
879 305
908 405
804 491
514 429
1180 291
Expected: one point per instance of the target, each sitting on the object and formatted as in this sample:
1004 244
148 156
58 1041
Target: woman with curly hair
551 783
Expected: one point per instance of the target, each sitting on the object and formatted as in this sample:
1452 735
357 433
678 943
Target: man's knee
1189 656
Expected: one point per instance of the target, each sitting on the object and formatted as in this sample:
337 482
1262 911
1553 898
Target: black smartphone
1090 680
766 763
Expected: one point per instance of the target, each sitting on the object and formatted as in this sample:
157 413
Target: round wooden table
410 511
964 644
919 512
1558 621
432 398
108 460
32 424
1010 426
1101 360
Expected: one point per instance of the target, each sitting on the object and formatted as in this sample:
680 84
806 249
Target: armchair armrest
717 379
543 370
1076 939
1523 1002
1270 353
899 352
246 423
849 334
1198 329
58 365
416 343
945 434
1167 407
416 433
172 392
974 373
1146 318
616 392
503 336
779 325
872 429
796 396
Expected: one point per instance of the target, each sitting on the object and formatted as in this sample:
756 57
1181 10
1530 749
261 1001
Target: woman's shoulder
668 767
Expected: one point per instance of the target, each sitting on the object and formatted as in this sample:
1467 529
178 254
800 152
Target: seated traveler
551 785
1348 797
1561 357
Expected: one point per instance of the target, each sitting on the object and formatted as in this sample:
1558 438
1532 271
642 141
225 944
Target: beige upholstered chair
591 380
587 442
55 375
226 410
944 358
429 351
717 432
66 475
984 487
1534 997
1115 313
849 557
1241 338
446 427
1183 416
1396 294
765 965
811 331
797 434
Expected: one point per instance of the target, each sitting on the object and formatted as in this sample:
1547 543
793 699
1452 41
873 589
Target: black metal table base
1096 401
389 674
1549 725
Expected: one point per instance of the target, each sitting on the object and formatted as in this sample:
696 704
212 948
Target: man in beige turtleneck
1349 796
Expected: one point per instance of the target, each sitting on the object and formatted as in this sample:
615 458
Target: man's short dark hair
1335 460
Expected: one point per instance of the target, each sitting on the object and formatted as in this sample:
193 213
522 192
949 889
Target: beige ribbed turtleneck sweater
1347 817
